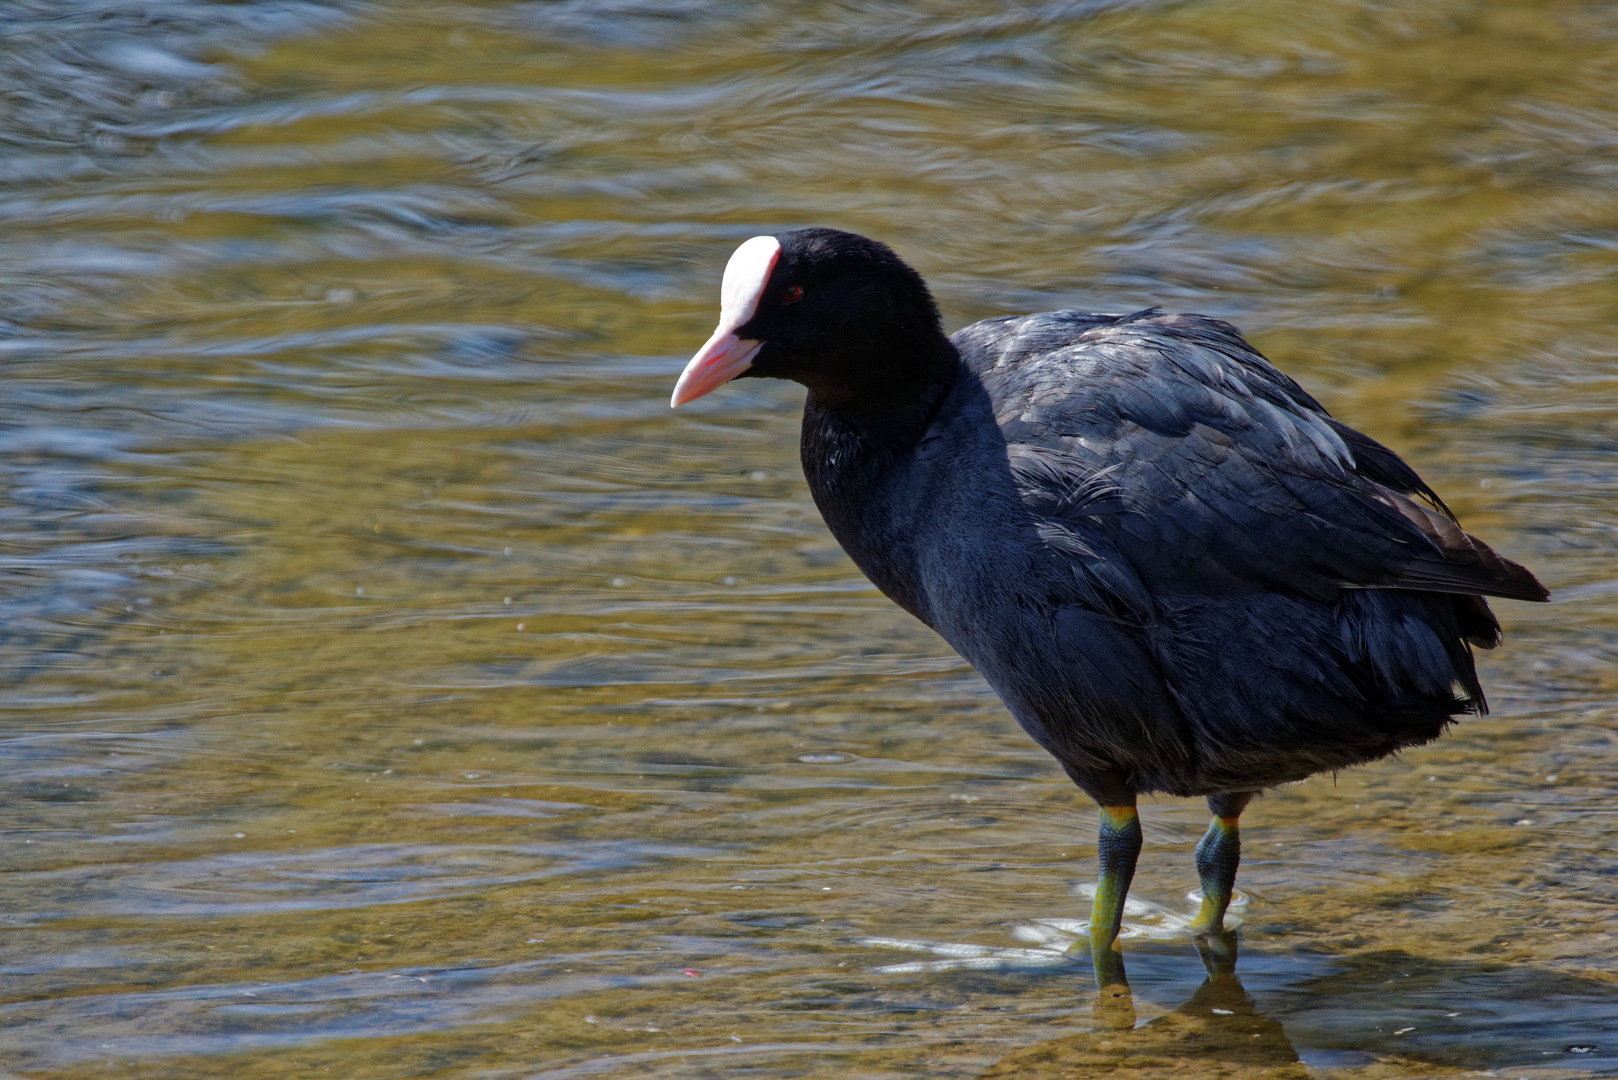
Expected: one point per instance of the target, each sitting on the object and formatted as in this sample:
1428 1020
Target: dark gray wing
1169 440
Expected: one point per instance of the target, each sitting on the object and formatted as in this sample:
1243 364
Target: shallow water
396 687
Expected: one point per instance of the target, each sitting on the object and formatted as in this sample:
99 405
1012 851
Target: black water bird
1178 572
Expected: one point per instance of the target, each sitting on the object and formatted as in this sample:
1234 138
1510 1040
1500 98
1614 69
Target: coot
1178 572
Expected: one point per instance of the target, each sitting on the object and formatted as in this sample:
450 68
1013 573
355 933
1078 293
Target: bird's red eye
792 295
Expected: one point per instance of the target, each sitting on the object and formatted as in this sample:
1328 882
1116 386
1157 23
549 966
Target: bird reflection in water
1218 1032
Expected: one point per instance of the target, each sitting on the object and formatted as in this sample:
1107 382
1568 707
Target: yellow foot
1210 918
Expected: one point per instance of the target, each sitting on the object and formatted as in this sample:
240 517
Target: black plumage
1179 573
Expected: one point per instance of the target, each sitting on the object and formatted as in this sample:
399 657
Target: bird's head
839 313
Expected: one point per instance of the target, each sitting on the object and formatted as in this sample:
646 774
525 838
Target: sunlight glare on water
395 686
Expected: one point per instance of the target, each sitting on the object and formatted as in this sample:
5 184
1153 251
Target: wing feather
1169 439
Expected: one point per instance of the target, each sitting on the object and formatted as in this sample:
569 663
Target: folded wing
1171 441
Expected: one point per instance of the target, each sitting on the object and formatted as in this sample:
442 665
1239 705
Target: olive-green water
393 686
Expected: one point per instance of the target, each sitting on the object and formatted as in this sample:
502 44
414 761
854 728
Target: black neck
888 402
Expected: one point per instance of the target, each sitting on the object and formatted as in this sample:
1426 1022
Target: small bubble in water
359 592
618 582
1224 1012
522 626
825 757
1581 1049
240 835
1525 821
1551 779
758 474
508 600
730 579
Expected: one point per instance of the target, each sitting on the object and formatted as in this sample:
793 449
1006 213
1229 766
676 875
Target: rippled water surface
395 687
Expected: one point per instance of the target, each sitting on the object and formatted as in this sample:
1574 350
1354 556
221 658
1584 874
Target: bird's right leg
1118 846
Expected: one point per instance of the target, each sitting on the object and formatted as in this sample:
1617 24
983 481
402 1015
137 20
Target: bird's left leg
1218 855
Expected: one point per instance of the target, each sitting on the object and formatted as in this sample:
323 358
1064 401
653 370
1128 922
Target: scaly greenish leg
1118 847
1218 855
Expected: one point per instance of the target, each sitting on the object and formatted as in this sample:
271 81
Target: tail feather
1460 563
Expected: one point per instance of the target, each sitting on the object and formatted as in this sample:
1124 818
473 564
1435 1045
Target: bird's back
1171 562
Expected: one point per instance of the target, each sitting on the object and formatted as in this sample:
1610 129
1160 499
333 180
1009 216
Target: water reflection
1218 1032
1452 1019
1384 1013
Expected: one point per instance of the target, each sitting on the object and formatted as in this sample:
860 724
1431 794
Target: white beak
726 356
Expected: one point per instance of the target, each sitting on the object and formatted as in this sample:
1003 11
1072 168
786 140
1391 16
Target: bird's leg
1118 847
1218 854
